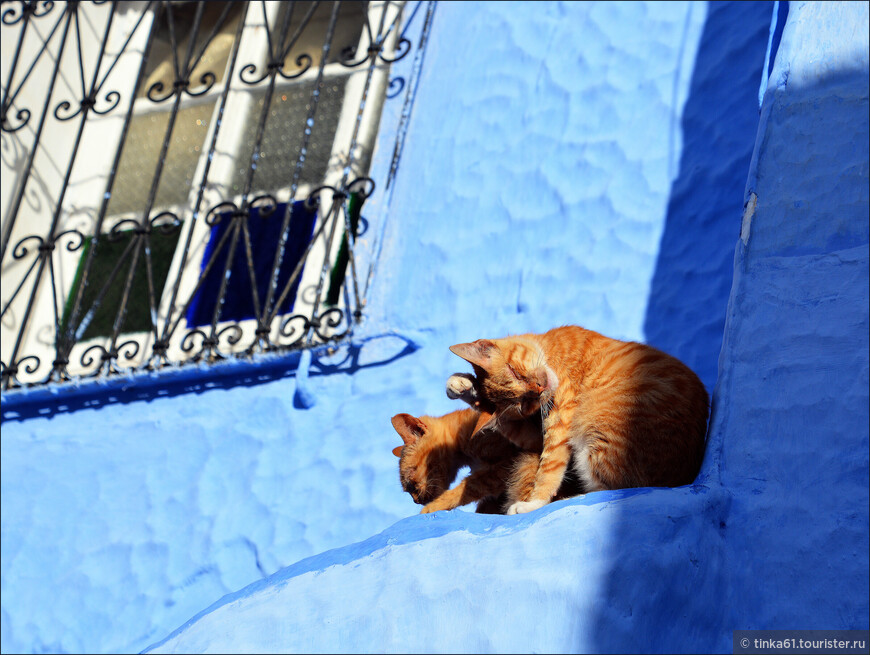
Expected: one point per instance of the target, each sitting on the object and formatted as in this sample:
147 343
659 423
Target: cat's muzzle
420 496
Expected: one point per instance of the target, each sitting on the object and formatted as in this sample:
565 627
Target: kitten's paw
522 507
432 507
461 385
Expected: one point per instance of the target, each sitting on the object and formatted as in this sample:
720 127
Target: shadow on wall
325 360
685 313
686 317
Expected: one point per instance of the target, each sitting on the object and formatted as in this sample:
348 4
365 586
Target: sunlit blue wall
566 163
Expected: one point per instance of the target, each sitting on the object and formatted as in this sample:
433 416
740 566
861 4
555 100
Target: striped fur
623 414
437 447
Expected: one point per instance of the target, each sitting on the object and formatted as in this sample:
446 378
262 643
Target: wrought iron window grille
184 181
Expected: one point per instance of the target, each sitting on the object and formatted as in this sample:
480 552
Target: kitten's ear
477 352
397 451
410 428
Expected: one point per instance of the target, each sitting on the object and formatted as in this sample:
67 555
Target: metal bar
81 54
401 133
274 65
296 271
240 217
202 277
167 332
80 329
213 33
73 332
299 30
268 32
10 97
249 258
25 173
179 87
86 104
19 287
25 177
124 47
7 100
375 49
262 324
33 290
225 279
300 162
112 351
337 199
410 20
149 274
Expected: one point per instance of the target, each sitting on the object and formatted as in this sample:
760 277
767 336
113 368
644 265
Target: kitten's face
512 374
423 467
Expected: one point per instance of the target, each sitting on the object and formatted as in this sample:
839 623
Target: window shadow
330 359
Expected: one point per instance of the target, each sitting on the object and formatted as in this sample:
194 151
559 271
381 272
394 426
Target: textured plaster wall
548 178
774 534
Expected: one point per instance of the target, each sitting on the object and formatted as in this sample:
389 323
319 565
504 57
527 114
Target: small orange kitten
437 447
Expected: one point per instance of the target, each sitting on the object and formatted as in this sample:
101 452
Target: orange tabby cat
622 413
437 447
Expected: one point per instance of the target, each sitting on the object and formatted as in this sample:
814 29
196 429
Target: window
195 184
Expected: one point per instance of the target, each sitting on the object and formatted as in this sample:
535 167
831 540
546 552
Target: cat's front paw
434 506
461 385
523 507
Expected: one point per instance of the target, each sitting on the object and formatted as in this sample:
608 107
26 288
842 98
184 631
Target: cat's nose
540 379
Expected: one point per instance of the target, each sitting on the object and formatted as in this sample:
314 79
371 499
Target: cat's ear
410 428
397 451
477 352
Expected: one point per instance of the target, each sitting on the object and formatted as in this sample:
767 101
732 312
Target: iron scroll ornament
22 115
128 349
89 103
206 81
304 61
27 8
209 346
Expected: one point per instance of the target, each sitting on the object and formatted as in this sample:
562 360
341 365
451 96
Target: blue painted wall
558 170
791 426
774 534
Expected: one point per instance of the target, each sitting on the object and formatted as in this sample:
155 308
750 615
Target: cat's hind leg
491 505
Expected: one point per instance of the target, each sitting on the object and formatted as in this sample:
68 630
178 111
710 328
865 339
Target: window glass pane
138 317
161 63
265 232
282 138
142 150
348 29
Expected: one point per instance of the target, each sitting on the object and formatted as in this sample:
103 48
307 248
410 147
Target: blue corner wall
791 425
566 163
